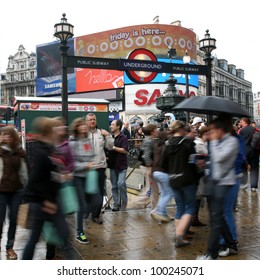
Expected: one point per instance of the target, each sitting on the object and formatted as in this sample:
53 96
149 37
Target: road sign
141 66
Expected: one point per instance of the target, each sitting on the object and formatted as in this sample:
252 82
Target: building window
21 76
22 91
32 75
31 89
12 78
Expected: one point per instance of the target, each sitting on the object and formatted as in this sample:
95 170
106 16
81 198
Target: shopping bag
50 234
68 198
23 218
91 182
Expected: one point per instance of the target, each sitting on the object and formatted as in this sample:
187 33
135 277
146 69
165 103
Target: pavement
133 235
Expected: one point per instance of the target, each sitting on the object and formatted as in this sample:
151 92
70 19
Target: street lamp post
186 60
64 31
171 98
207 45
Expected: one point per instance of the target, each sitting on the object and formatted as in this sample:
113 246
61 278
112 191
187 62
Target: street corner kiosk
26 109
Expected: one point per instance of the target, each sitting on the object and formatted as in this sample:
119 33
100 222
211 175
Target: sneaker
81 238
253 189
206 257
245 186
224 252
159 217
11 255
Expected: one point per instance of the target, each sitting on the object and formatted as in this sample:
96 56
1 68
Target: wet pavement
133 234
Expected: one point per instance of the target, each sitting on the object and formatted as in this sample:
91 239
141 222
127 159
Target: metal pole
208 61
187 96
64 93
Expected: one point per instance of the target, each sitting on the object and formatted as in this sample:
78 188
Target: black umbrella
211 105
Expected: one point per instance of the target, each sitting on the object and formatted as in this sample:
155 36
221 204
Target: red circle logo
141 77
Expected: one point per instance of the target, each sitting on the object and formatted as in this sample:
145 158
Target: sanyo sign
143 97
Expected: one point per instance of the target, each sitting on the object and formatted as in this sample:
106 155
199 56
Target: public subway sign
136 68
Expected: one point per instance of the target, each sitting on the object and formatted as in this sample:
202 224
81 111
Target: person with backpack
252 155
182 177
162 178
151 133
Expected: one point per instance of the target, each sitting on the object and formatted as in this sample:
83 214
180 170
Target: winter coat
99 144
176 162
44 176
158 149
13 169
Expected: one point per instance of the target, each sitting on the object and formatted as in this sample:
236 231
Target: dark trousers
218 225
98 198
89 203
254 170
10 201
38 219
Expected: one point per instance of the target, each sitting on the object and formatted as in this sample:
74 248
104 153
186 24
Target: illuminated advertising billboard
116 43
157 38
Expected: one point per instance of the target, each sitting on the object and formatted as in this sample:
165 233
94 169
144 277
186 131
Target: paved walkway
133 235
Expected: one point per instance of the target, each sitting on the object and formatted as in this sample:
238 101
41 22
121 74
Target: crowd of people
198 162
191 164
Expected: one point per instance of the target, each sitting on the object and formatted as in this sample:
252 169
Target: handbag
50 234
91 182
68 198
23 218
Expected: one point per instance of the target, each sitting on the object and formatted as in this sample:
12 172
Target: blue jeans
10 200
185 199
229 206
218 224
119 190
166 192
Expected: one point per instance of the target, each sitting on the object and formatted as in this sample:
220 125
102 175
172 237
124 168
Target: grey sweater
223 155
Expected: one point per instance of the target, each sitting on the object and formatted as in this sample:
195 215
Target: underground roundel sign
141 77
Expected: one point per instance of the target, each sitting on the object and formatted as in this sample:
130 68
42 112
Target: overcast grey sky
235 24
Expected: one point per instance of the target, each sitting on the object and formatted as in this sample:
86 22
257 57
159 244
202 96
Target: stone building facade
20 76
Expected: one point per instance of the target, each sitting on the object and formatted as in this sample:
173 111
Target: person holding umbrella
223 150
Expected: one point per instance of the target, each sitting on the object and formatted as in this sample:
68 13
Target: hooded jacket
13 169
42 183
175 161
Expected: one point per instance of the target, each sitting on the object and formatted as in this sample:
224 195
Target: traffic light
7 115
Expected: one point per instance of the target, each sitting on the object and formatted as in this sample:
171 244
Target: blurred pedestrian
42 192
247 131
126 130
151 133
183 178
84 159
223 150
162 179
14 177
118 167
201 147
63 152
102 142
